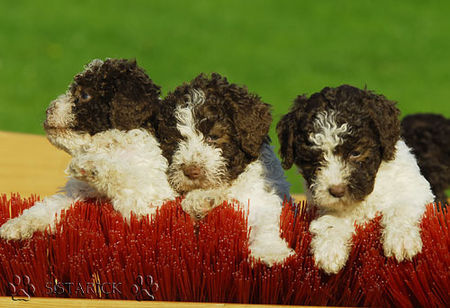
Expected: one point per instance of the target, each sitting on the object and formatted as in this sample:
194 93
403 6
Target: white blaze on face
58 124
326 137
60 119
59 112
194 151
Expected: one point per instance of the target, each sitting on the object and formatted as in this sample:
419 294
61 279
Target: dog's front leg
401 231
41 215
199 202
264 211
331 242
45 213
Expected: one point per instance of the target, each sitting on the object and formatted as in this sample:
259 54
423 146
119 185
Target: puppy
346 143
429 137
214 135
105 122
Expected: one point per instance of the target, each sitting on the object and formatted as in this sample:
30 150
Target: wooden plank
66 302
29 164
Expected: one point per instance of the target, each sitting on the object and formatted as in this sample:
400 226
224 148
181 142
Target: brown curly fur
374 126
237 120
429 137
116 94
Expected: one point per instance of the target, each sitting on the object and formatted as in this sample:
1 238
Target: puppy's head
115 93
338 138
210 130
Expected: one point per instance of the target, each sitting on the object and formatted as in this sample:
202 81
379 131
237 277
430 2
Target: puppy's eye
355 154
84 96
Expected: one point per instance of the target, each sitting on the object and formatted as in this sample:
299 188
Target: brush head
174 258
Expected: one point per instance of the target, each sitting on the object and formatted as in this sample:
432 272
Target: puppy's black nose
193 172
337 191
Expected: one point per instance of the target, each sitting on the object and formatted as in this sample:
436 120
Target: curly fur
346 143
105 121
429 137
121 91
240 118
214 135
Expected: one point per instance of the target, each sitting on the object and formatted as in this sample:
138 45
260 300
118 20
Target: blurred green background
278 48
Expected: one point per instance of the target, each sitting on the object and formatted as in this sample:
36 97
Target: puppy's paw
82 170
16 229
273 258
129 206
197 205
330 255
402 245
270 251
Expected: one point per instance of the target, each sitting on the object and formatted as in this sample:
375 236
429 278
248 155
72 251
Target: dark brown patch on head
374 131
114 94
361 152
230 118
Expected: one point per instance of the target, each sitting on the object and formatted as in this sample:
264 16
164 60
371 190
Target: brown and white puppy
346 143
214 135
429 137
105 122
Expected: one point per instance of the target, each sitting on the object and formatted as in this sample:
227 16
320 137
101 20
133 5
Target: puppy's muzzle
337 191
192 172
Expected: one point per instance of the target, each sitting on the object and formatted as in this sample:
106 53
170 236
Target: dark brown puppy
429 137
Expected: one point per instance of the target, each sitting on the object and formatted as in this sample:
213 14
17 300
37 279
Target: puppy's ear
285 132
385 117
252 119
127 114
136 97
288 129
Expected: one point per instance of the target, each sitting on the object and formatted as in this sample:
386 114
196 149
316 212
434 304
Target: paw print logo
21 287
144 288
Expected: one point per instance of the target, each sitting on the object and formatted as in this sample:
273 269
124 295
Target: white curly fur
126 167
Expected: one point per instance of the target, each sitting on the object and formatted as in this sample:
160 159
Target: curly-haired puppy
429 137
346 143
105 122
214 135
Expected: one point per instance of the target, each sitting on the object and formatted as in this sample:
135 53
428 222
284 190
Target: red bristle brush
93 253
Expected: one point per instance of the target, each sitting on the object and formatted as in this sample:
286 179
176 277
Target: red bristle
208 260
223 245
425 281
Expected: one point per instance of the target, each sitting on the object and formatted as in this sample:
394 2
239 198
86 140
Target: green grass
279 49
